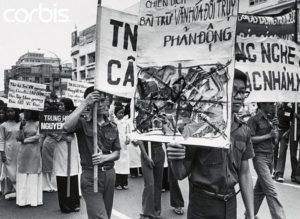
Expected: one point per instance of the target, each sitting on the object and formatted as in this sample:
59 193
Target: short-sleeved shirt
108 140
260 125
217 169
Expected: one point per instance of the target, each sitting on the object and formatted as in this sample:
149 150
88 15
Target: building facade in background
35 67
83 54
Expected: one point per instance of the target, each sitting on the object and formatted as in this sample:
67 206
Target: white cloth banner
75 91
26 95
186 30
273 68
116 52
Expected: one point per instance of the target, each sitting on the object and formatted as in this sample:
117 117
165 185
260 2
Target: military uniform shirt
217 169
260 125
108 140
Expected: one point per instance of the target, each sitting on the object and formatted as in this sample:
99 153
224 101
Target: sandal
119 187
178 211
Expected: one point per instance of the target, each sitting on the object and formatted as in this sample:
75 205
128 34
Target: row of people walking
31 159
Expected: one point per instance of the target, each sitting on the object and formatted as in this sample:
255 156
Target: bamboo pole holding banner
296 40
295 122
149 149
95 108
95 141
69 170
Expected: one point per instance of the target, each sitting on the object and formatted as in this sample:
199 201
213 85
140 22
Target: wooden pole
95 108
295 122
95 141
296 40
69 170
276 126
149 150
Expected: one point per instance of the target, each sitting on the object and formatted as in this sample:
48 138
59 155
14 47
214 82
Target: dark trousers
151 200
135 171
68 204
121 180
98 205
203 206
176 198
165 181
294 149
279 163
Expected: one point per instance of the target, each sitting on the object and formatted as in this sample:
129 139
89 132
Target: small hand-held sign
52 122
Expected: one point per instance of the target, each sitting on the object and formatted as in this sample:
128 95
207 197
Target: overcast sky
27 25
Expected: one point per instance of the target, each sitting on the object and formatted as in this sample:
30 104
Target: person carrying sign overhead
213 172
99 204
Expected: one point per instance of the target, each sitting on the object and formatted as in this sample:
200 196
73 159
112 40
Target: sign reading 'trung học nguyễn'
52 122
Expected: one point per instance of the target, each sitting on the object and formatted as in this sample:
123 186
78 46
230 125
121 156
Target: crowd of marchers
33 162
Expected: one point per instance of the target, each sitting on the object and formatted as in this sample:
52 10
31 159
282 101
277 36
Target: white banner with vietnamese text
26 95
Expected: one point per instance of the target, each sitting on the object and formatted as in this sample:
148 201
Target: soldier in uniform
99 205
213 172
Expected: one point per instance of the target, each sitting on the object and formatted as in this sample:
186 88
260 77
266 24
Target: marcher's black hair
2 103
117 109
69 105
34 115
238 74
258 105
3 108
17 114
88 91
92 89
51 106
127 110
118 103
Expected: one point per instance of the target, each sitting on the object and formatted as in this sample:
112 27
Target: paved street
127 204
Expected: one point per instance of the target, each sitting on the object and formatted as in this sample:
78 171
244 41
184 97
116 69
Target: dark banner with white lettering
52 122
282 26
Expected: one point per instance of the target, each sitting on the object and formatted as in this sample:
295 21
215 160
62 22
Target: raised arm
33 138
72 120
252 123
